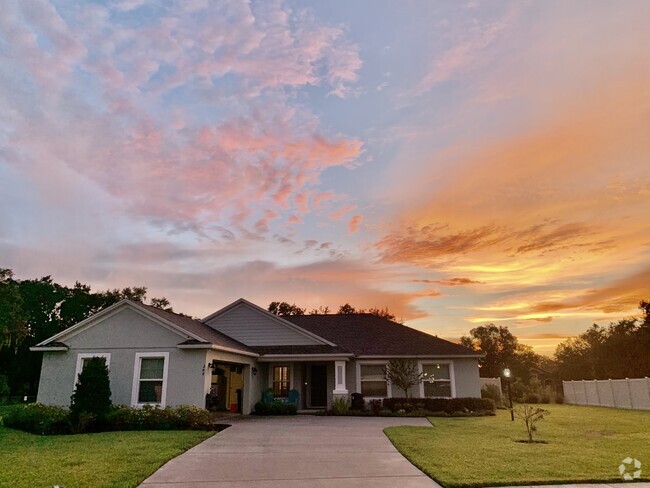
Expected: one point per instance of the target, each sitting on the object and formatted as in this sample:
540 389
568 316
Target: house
229 358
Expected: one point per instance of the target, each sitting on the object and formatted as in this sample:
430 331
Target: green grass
108 459
585 444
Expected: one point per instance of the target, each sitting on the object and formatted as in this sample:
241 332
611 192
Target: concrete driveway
296 452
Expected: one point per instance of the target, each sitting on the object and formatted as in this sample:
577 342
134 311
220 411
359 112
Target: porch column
339 379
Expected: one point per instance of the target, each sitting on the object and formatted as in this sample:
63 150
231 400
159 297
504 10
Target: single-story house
229 358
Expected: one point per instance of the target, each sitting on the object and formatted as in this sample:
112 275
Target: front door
318 385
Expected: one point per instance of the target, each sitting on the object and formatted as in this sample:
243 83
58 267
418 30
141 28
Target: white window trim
275 365
136 378
388 385
452 377
87 355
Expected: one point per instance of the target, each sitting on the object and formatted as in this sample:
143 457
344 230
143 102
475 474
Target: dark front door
318 385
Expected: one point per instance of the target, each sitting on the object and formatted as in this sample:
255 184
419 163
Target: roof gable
186 328
254 326
370 335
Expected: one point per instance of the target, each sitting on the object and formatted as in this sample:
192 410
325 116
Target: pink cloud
354 223
263 150
342 211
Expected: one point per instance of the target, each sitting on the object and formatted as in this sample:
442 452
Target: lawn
108 459
585 444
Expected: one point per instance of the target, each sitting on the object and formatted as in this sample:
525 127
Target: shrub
42 419
37 418
340 406
155 418
532 398
493 392
92 394
375 406
275 408
546 395
530 415
483 406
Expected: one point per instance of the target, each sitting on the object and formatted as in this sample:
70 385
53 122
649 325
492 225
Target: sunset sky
458 162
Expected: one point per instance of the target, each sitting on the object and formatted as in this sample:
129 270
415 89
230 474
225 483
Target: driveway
296 452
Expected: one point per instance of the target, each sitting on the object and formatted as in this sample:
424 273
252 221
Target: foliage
584 445
320 310
47 420
117 459
449 406
502 350
403 373
162 303
34 310
530 415
155 418
284 308
494 393
275 408
619 350
39 419
4 386
92 394
340 406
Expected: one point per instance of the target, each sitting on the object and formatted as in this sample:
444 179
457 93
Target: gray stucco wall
124 334
466 378
468 381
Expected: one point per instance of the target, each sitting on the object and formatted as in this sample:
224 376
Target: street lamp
506 373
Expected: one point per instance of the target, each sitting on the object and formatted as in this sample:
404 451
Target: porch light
254 370
506 372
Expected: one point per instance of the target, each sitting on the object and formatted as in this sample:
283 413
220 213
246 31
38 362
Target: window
437 380
83 358
281 381
373 381
150 378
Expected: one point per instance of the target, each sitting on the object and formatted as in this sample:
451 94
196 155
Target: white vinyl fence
628 393
491 381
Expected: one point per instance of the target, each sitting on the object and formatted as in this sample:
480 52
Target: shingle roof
297 349
197 328
370 335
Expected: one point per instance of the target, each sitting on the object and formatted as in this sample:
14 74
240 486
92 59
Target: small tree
530 415
92 394
403 373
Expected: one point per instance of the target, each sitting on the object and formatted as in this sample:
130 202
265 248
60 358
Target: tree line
285 308
619 350
36 309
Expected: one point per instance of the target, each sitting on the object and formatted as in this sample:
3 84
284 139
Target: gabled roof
187 328
199 329
276 318
369 335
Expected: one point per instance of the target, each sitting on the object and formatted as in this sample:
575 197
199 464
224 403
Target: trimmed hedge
447 406
275 408
47 420
154 418
37 418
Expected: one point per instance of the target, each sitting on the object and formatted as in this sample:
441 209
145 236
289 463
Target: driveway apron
296 452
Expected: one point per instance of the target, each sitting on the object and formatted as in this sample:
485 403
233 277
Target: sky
457 162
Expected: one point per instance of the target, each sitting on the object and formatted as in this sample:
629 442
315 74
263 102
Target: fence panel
491 381
628 393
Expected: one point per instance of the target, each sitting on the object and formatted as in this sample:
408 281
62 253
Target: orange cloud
354 223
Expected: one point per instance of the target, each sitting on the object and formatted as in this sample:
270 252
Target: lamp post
506 373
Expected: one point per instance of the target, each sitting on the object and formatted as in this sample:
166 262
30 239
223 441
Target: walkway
296 452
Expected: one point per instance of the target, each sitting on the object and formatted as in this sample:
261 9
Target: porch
317 380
